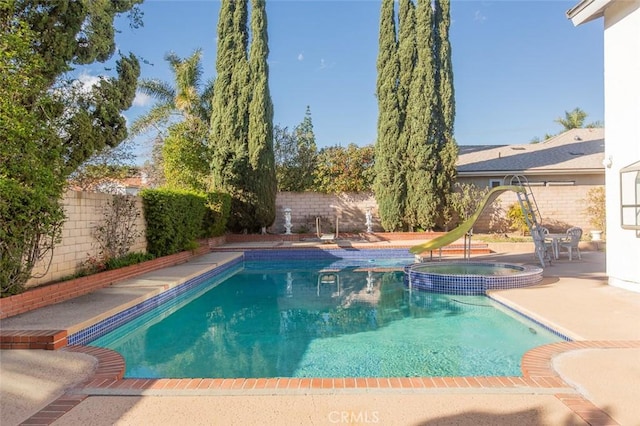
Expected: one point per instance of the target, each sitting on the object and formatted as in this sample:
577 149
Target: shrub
118 230
30 225
516 219
128 259
596 208
217 217
176 218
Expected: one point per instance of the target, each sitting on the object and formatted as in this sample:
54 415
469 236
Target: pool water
323 319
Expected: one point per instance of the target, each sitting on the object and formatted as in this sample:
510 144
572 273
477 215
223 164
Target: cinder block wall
560 207
83 210
349 208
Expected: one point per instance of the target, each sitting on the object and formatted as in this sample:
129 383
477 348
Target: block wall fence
560 207
83 211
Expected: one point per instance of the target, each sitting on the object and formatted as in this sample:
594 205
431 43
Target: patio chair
539 234
570 244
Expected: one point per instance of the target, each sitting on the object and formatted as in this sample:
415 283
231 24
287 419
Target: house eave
532 172
587 10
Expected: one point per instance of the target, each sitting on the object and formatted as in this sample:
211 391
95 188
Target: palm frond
157 117
157 89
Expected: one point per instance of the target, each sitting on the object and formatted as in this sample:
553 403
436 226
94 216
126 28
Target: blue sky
518 65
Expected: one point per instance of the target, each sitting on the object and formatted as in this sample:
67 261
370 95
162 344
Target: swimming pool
323 318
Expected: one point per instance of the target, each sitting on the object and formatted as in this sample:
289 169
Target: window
630 196
494 182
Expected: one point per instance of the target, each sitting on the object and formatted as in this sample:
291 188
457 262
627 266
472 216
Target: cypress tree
261 154
447 147
419 128
407 56
415 151
223 102
389 185
307 152
230 114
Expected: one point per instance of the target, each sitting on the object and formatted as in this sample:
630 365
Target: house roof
587 10
574 151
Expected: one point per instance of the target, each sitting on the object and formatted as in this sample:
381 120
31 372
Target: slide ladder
532 217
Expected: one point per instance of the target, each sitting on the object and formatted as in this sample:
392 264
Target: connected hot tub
469 278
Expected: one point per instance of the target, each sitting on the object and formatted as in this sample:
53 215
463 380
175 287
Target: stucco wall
622 147
84 210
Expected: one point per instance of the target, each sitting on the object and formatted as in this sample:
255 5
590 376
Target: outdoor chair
539 233
544 234
570 244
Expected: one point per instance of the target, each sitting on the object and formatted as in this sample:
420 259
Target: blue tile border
418 276
107 325
546 327
324 254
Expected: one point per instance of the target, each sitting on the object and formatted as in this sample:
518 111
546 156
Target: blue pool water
323 319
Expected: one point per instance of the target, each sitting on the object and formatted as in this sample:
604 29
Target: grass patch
502 238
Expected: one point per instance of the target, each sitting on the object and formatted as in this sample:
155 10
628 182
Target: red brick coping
50 294
537 370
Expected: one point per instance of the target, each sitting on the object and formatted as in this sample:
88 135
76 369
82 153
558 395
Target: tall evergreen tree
241 138
419 127
407 56
307 151
229 115
447 146
423 144
261 154
389 185
223 102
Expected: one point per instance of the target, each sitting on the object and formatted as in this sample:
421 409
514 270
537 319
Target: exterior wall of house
622 146
83 210
561 206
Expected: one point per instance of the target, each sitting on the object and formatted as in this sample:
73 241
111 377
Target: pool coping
539 377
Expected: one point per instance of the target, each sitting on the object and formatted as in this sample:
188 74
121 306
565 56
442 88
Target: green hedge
175 219
219 209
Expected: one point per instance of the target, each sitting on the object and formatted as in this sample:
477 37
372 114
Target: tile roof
573 150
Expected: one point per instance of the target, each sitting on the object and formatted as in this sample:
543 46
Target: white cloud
300 57
86 81
479 16
325 65
141 99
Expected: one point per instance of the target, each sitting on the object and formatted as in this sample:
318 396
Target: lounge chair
570 244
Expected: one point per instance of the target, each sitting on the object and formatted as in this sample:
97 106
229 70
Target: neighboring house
561 171
622 115
131 185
